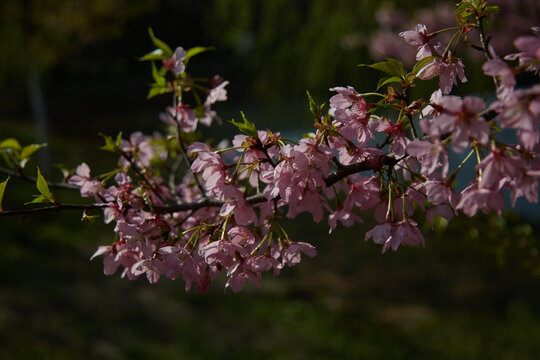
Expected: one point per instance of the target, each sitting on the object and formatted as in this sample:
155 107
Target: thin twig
53 208
370 164
34 180
139 172
188 160
483 40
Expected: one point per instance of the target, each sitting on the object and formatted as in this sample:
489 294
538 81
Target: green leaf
158 75
10 144
391 67
314 108
106 176
89 219
10 161
464 10
196 51
492 10
421 63
110 144
160 44
38 199
156 90
2 189
388 80
246 127
43 188
27 151
157 54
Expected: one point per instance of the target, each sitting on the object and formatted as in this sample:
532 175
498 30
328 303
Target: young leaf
391 67
43 188
388 80
38 199
27 151
421 63
10 144
492 10
159 76
196 51
157 54
156 90
246 127
89 219
160 44
2 189
110 144
313 107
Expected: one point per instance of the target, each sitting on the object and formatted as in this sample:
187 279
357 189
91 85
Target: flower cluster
226 211
184 209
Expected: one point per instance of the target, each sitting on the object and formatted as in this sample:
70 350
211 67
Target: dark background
69 70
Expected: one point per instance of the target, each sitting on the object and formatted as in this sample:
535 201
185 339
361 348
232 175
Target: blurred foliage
298 43
45 31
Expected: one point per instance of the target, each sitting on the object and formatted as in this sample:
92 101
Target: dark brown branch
34 180
142 175
489 114
53 208
251 200
370 164
483 40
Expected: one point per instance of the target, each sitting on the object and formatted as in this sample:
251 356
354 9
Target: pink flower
217 94
392 235
176 62
420 38
449 69
497 67
530 51
89 186
500 166
243 212
474 198
290 175
428 154
522 112
150 267
346 217
438 192
292 254
347 98
444 211
460 119
396 131
364 193
238 276
222 252
526 185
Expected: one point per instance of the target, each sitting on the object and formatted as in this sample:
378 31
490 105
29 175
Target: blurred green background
69 70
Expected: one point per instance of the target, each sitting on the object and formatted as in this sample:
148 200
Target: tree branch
34 180
370 164
53 208
483 40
